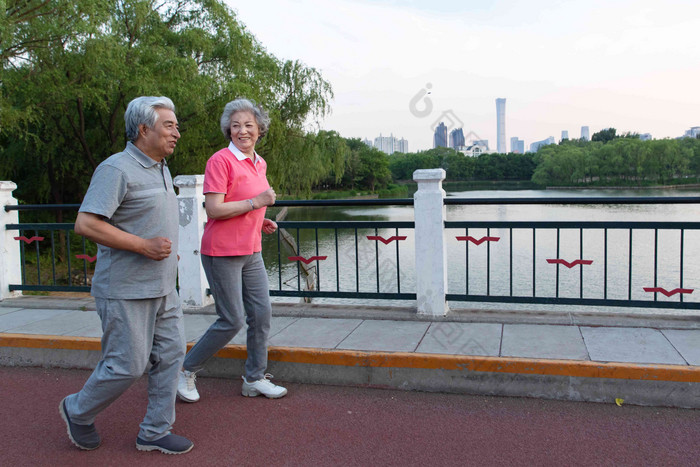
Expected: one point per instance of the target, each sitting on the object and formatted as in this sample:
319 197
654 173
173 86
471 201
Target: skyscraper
534 147
440 136
585 134
501 125
694 132
402 145
389 144
384 143
456 138
564 134
517 145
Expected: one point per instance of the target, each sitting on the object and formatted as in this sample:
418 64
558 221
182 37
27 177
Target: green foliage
457 166
619 161
69 67
605 135
402 166
366 167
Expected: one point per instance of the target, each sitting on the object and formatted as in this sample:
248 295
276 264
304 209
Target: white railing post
10 261
192 280
431 252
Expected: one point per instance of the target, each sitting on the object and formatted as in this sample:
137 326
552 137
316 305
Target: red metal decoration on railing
306 261
89 259
666 292
386 241
570 264
479 241
29 240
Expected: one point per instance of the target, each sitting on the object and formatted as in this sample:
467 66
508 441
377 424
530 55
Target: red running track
329 425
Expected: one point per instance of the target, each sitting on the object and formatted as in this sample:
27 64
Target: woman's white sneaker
263 386
186 389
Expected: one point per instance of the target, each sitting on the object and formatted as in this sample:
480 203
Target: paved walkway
568 342
543 350
321 425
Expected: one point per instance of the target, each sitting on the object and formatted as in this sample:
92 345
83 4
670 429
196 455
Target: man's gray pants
136 332
240 288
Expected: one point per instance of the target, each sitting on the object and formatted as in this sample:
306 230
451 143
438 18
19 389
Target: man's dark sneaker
169 444
83 436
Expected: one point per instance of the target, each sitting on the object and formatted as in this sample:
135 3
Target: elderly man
130 210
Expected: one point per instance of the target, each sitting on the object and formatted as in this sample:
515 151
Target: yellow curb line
529 366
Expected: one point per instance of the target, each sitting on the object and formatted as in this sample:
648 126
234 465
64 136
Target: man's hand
95 228
269 226
157 248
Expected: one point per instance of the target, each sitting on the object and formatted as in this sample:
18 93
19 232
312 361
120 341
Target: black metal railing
52 257
355 270
593 263
629 285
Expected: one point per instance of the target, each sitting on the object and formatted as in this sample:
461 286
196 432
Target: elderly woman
236 195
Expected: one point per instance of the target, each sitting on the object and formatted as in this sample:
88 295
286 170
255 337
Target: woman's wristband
252 206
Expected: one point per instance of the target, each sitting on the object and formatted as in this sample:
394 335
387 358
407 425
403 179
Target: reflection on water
340 271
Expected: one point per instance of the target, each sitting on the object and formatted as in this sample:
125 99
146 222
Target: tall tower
456 138
501 125
585 133
440 136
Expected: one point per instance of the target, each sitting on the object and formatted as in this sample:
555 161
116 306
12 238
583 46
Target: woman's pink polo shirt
232 173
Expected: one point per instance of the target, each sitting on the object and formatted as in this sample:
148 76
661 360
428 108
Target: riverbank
406 188
630 187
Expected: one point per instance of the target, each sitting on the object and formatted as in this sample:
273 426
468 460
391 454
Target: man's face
160 141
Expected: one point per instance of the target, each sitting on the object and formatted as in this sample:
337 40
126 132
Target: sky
560 65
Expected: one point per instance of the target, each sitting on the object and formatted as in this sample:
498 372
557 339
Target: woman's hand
266 198
269 226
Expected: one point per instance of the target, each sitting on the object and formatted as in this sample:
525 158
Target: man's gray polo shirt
135 194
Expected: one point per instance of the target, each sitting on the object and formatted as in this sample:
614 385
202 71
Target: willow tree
69 67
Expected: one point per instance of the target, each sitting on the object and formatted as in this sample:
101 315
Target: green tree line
612 160
489 166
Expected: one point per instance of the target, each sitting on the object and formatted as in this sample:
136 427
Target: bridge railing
431 261
647 264
340 259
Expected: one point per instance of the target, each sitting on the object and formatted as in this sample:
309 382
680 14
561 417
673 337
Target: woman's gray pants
240 288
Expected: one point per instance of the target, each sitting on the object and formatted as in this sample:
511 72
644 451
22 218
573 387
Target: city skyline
388 144
634 68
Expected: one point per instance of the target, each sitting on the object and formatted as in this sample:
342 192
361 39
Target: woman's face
244 131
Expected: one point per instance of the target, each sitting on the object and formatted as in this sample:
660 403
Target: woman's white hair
242 104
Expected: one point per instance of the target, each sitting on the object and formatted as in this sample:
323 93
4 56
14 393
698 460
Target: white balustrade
431 251
192 280
10 261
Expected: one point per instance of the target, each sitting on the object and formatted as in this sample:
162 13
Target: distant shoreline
652 187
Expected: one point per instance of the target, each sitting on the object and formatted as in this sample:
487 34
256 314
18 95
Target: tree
604 136
367 167
458 166
559 165
402 166
70 67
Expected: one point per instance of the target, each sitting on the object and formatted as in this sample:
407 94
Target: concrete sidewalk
645 365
